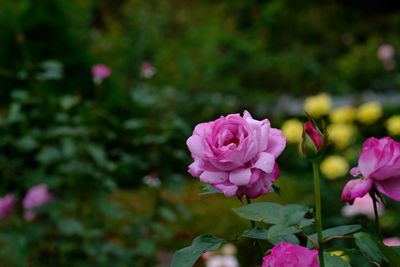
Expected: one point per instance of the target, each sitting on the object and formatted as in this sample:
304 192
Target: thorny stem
253 224
318 218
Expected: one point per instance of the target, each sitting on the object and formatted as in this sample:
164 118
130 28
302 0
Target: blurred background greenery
113 152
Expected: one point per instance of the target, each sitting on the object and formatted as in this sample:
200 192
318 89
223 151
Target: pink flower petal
240 176
389 187
356 188
265 162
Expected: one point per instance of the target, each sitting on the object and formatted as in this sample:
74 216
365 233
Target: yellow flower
340 134
333 167
369 112
340 254
318 105
393 125
344 114
292 129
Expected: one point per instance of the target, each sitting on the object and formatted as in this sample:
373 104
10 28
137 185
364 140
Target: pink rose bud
314 134
236 154
314 141
6 206
378 167
286 254
392 242
35 197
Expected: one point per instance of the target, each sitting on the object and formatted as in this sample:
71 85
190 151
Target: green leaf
334 261
209 189
71 227
392 254
261 233
292 214
306 222
201 244
335 231
281 230
267 212
368 246
256 233
292 239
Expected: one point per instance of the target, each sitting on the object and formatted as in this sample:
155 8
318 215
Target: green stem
253 224
374 201
318 218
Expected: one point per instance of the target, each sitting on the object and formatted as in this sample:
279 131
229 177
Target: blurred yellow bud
344 114
333 167
228 249
369 112
318 105
340 254
292 129
340 134
393 125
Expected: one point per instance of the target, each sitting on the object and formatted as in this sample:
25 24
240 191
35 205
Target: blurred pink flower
286 254
385 52
362 206
315 136
392 242
35 197
101 71
6 205
147 70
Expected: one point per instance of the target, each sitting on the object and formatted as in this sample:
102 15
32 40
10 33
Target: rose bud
314 141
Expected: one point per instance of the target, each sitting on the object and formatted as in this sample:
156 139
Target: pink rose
379 166
236 154
392 242
6 205
101 71
385 52
35 197
362 206
147 70
286 254
314 135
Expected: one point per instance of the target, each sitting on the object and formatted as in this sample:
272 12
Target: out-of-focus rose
222 261
392 242
286 254
35 197
393 125
147 70
379 166
292 129
340 134
318 105
152 180
236 154
385 52
369 112
100 72
6 205
344 114
335 166
362 206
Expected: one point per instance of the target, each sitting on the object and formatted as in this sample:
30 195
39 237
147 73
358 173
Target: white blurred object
152 180
222 261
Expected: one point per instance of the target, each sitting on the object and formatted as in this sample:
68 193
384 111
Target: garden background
113 151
